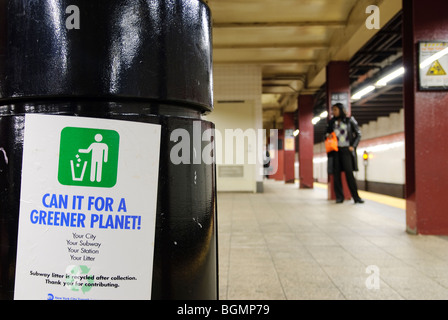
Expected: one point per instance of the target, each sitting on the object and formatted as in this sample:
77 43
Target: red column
306 141
338 90
278 155
289 147
426 120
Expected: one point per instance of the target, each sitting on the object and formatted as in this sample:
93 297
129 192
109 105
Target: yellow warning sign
436 69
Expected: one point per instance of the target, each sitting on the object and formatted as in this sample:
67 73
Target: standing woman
345 159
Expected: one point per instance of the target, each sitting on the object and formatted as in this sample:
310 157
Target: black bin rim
153 50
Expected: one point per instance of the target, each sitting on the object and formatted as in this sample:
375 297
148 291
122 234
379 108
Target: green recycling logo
77 277
88 157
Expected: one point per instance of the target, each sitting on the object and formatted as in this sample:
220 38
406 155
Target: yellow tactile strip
387 200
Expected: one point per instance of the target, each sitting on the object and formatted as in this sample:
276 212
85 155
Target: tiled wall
237 83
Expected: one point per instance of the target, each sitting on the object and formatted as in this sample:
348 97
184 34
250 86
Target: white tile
294 244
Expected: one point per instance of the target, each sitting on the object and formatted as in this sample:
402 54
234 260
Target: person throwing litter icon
99 155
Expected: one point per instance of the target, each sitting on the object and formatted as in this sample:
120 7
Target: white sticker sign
433 65
87 208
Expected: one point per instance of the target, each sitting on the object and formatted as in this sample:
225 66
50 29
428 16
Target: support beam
338 82
306 141
426 117
267 62
295 24
289 147
311 45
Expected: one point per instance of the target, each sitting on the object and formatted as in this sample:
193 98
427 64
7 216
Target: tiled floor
294 244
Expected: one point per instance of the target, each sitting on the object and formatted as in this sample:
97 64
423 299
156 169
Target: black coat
354 135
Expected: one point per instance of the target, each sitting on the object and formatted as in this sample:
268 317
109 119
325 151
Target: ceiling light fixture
324 114
315 120
363 92
380 83
391 76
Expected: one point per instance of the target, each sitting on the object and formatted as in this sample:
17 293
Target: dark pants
343 162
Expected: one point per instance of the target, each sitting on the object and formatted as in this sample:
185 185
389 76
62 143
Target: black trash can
146 61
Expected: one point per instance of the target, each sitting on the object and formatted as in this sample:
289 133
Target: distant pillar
289 147
278 154
426 118
338 90
306 141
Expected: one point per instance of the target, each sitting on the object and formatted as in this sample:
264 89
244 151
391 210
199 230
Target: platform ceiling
292 41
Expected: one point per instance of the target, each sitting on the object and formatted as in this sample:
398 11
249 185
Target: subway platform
291 244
